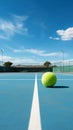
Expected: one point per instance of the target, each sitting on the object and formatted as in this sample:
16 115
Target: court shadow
60 87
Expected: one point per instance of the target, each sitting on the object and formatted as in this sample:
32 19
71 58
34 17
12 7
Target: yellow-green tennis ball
49 79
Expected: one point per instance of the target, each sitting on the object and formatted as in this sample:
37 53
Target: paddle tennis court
25 104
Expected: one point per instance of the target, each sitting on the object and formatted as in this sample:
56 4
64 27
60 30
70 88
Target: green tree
47 64
7 64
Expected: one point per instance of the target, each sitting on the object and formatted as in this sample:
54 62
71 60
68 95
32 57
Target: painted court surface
25 104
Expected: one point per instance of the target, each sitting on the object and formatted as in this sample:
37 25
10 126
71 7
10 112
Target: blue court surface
55 104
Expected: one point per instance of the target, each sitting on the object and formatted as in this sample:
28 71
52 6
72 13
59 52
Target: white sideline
33 79
16 79
35 120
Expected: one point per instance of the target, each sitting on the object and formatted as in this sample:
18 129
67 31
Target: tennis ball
49 79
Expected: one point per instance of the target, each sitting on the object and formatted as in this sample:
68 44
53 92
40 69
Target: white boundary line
32 79
67 74
35 120
64 79
16 79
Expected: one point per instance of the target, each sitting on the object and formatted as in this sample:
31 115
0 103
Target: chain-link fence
66 66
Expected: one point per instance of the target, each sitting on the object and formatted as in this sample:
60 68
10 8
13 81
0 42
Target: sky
35 31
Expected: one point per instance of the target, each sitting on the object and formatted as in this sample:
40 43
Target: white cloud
16 25
67 62
33 51
66 34
23 60
20 18
49 54
5 58
39 58
56 38
37 52
20 60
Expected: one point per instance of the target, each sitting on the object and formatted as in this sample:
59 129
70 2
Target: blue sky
35 31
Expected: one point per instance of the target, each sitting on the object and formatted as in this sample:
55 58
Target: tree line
9 64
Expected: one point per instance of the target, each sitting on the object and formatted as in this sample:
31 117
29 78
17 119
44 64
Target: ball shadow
59 87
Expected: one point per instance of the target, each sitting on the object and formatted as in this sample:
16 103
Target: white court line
65 79
32 79
16 79
35 120
69 74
